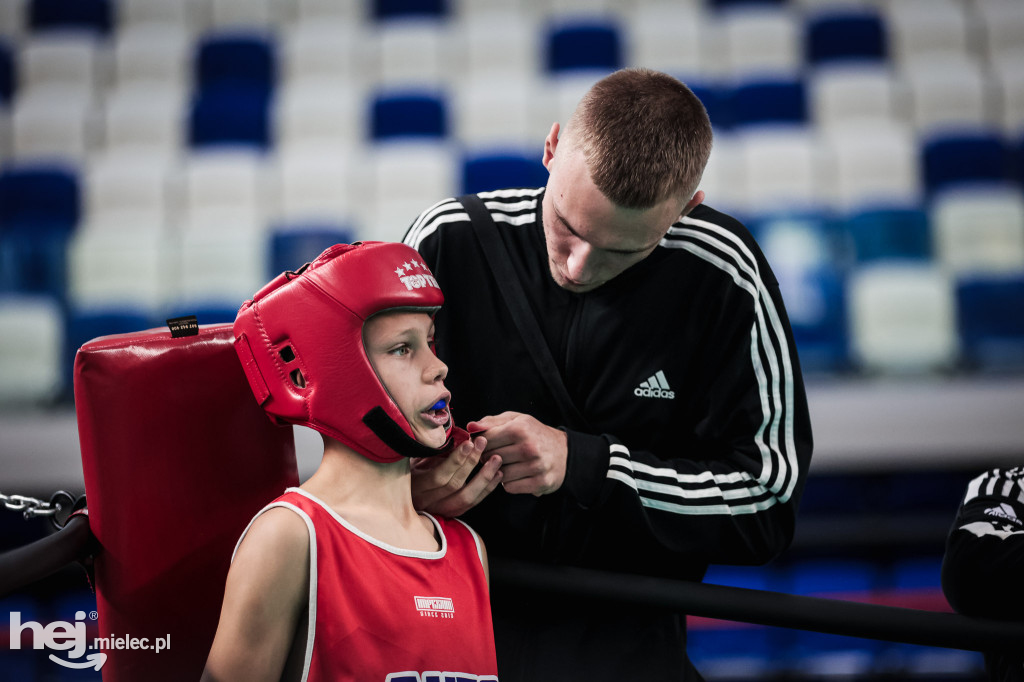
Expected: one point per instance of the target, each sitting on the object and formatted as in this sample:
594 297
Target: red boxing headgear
300 340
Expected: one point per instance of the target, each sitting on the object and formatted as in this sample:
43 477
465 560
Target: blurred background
161 158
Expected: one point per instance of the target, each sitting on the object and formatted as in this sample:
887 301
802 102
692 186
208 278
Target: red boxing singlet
382 613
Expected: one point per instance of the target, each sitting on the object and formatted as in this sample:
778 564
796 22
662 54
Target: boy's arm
266 592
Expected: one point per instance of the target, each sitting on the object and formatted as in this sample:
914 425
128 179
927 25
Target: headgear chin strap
300 341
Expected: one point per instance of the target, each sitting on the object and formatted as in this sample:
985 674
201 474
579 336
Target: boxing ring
178 457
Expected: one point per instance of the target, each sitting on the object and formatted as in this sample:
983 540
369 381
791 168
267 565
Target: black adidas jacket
984 559
684 366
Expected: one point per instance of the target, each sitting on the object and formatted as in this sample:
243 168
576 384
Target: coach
642 399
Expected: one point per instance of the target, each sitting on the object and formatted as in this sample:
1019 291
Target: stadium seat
323 51
667 37
244 14
31 334
970 156
52 124
383 10
979 230
949 91
902 318
574 45
316 186
926 28
126 183
498 46
235 59
781 168
294 245
871 164
768 101
7 73
485 171
409 53
1001 24
317 112
759 40
991 328
175 15
70 60
153 52
91 15
405 114
879 234
228 116
404 178
145 118
39 209
488 112
840 93
230 187
844 34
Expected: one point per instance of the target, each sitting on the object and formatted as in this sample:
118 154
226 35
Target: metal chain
31 507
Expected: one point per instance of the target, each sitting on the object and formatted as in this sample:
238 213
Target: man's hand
533 455
442 485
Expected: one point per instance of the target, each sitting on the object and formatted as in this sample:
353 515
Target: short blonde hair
645 136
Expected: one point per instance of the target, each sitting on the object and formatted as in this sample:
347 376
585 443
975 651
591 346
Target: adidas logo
1003 511
655 387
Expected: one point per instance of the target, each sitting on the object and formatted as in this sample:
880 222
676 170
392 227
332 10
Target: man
689 439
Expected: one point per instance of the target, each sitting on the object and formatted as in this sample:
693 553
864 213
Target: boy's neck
374 497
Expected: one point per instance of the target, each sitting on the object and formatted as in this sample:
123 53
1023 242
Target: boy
341 579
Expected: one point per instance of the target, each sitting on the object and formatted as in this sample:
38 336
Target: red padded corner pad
178 457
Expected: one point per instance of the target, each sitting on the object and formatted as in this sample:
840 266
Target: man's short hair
645 137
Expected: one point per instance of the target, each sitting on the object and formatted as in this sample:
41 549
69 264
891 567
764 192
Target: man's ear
550 143
697 200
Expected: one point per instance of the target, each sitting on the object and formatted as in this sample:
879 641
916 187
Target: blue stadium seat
231 116
966 157
488 171
401 9
408 114
816 303
583 45
768 101
92 15
990 321
715 102
294 246
39 209
235 60
844 35
7 71
884 233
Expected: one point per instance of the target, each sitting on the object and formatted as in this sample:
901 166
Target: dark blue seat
235 75
408 114
400 9
231 116
966 157
843 35
885 233
7 71
716 102
991 323
39 209
488 171
768 101
235 60
294 246
92 15
583 45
